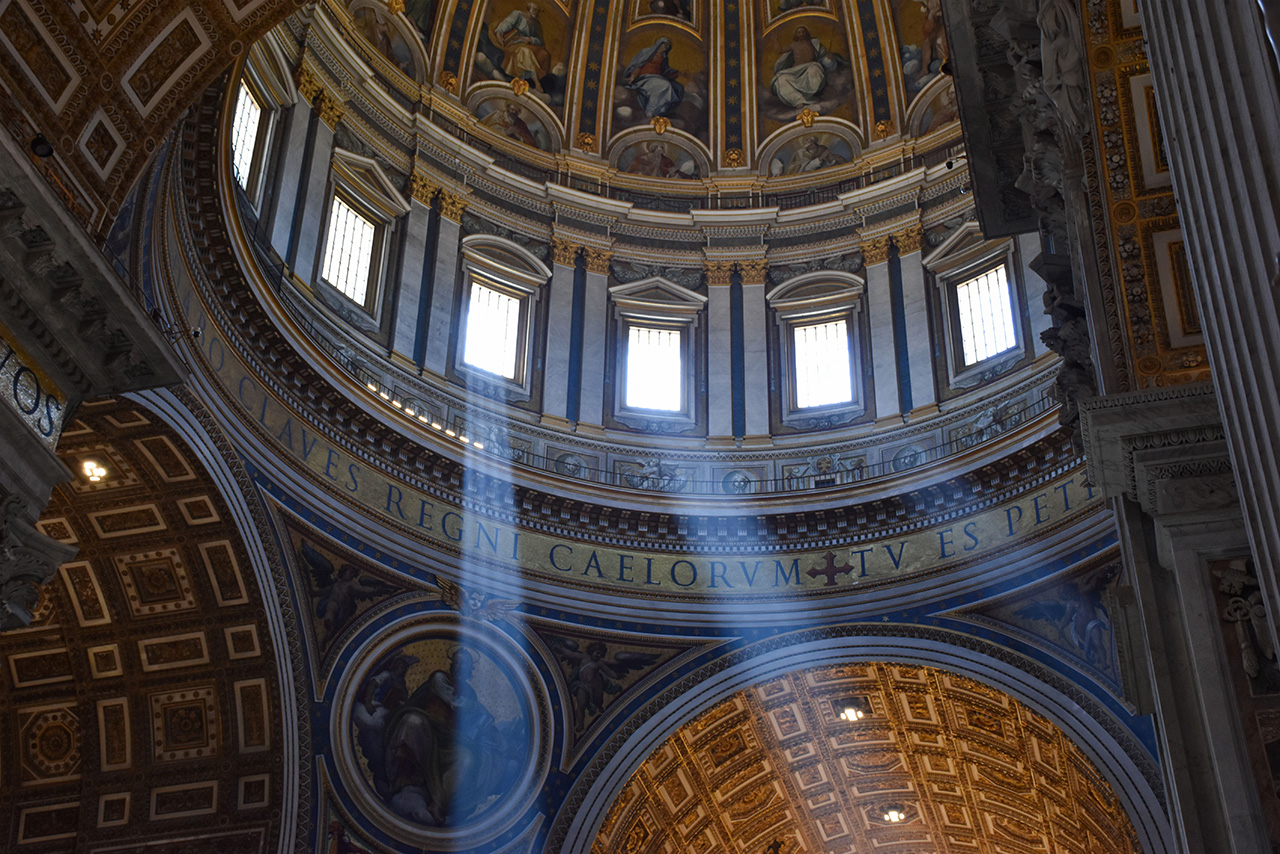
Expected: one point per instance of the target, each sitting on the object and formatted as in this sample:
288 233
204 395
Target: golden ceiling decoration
105 80
775 769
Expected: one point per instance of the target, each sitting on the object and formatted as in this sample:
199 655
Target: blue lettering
17 380
394 496
1066 502
569 549
425 519
648 573
677 581
624 566
285 436
1009 515
307 449
593 562
897 559
782 576
351 473
492 541
330 462
944 543
724 568
968 532
1035 502
862 561
751 578
444 526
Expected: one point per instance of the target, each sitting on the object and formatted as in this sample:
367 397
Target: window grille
655 374
985 315
348 255
493 331
822 364
244 135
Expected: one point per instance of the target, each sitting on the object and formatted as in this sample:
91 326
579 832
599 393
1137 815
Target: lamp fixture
94 471
852 709
895 813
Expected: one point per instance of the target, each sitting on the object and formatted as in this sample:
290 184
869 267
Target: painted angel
594 675
340 591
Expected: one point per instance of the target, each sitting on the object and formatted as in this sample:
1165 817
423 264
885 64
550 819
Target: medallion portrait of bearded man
440 731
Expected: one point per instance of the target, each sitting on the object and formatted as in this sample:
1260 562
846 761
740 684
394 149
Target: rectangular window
493 331
655 375
244 135
348 254
985 312
822 364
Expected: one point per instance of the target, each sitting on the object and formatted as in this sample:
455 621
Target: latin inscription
29 391
506 547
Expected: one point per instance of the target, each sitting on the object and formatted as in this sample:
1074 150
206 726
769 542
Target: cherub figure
593 675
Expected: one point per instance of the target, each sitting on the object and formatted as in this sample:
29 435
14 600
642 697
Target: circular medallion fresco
438 732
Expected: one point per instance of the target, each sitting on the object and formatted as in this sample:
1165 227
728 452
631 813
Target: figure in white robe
800 74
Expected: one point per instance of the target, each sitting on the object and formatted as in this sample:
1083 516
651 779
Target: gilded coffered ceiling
141 703
104 80
774 769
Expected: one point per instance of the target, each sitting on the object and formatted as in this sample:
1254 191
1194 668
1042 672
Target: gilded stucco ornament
909 240
807 117
585 141
875 250
564 252
421 188
597 259
452 205
331 109
718 272
308 86
754 271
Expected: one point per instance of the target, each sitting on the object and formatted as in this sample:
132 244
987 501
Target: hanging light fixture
895 813
852 709
94 471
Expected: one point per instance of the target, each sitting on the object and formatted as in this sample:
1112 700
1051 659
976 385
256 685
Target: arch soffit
227 478
1115 756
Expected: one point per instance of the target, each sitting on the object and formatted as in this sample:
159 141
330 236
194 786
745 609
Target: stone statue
1062 57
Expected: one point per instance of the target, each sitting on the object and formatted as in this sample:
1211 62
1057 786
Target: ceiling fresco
775 769
677 90
141 704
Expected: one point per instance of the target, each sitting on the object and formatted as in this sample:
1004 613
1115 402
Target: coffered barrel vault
663 426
